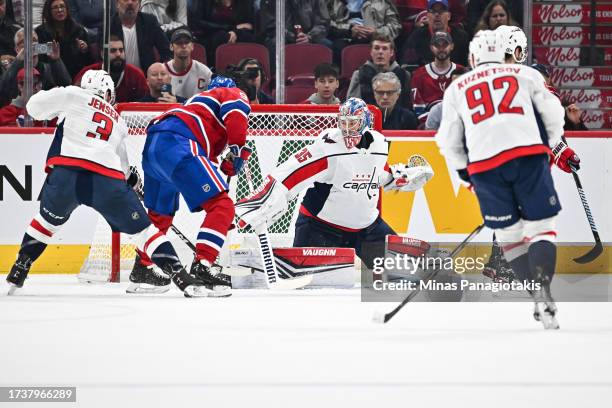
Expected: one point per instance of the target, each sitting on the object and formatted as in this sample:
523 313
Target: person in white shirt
189 76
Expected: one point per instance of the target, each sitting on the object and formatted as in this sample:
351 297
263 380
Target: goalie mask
486 47
99 83
514 42
353 119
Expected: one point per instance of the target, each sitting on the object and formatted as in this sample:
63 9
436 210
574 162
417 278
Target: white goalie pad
407 178
329 267
263 206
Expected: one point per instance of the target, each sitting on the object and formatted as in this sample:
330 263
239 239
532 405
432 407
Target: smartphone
166 88
46 48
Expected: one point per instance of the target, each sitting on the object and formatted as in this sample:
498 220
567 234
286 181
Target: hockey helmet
100 83
485 47
354 118
514 38
221 82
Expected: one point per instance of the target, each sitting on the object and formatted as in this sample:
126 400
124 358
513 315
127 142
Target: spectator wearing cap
387 89
53 72
573 114
130 82
13 114
140 33
429 81
170 14
434 116
326 83
160 87
417 50
188 76
215 23
382 59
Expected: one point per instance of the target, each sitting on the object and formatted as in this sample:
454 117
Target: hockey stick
273 281
384 318
598 248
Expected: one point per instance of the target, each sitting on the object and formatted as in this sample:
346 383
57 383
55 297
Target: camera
166 88
46 48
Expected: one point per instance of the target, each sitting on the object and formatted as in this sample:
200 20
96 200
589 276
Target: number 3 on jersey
480 95
105 129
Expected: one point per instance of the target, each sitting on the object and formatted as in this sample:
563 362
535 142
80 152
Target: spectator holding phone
160 88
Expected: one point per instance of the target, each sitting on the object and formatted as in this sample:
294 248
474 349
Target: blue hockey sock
542 257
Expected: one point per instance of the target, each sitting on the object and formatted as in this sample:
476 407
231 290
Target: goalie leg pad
264 206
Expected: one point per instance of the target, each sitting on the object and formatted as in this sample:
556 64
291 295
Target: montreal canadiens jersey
214 119
344 185
427 86
90 133
193 80
496 113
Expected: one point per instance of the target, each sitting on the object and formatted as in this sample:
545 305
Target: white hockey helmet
486 46
514 41
100 83
354 118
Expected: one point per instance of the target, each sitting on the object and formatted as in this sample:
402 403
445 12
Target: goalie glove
406 178
235 159
565 158
135 181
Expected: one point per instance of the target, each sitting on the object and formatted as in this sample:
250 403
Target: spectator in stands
160 86
429 81
495 14
417 50
306 21
382 53
8 28
257 77
217 22
189 76
170 14
435 113
387 89
59 26
140 33
13 114
356 22
489 12
53 72
130 82
90 14
326 83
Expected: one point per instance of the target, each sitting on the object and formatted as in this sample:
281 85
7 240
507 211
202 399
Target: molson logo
560 13
561 35
563 56
573 76
586 98
593 119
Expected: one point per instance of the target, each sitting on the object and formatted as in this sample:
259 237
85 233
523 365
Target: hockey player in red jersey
181 156
87 165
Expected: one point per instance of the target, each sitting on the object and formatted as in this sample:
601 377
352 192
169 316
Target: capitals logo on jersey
214 118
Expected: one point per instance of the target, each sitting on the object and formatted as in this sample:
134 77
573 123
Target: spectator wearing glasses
130 82
417 51
387 89
72 37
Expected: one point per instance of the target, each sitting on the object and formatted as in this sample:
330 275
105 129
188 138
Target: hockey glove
465 178
407 178
565 158
135 181
234 161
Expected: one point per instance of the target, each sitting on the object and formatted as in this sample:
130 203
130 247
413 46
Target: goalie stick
273 281
598 248
384 318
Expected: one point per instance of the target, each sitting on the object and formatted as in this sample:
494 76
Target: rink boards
443 211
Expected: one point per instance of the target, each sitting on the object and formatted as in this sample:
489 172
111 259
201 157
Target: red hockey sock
219 216
163 223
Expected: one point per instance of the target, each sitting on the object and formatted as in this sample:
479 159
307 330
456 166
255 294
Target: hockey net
275 133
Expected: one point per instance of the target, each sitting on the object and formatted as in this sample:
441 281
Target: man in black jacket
141 35
386 87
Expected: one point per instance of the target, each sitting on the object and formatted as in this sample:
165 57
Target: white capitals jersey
193 80
496 113
90 133
347 182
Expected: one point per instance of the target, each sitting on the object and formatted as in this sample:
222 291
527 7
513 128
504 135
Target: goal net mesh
275 133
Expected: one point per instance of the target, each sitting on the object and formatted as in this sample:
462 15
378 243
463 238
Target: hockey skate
18 273
498 270
545 308
147 279
213 278
189 284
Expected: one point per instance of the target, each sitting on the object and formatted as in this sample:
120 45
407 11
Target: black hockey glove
463 175
135 181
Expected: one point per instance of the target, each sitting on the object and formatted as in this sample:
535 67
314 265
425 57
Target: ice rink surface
310 348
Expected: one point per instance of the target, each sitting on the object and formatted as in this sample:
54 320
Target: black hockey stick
598 248
380 318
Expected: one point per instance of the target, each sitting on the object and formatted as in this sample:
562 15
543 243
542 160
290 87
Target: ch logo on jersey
363 182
